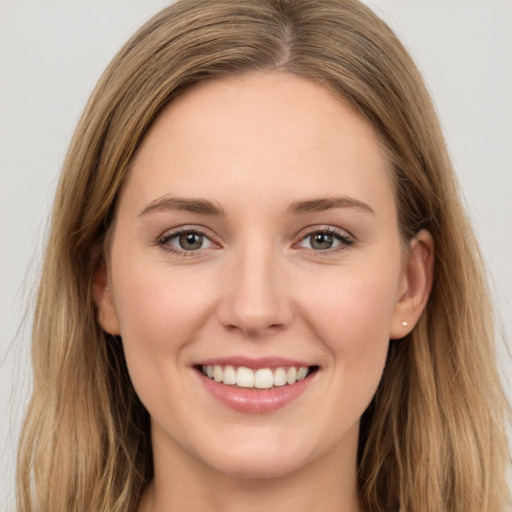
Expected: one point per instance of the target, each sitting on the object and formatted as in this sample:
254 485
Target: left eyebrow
200 206
326 203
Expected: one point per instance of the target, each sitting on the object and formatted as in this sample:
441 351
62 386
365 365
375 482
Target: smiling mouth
258 379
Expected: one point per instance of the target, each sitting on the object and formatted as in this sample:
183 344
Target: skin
253 146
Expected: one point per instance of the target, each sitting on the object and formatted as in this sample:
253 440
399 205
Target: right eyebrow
326 203
194 205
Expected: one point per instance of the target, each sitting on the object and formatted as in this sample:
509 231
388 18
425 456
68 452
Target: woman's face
257 230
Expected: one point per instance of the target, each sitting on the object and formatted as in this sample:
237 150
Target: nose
255 298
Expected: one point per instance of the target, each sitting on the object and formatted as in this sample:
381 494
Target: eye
186 240
324 240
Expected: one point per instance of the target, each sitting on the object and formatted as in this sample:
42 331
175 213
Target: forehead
264 136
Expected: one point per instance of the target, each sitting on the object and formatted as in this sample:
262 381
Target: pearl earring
404 323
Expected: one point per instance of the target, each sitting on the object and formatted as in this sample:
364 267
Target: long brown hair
433 438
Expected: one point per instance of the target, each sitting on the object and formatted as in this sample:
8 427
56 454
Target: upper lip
254 363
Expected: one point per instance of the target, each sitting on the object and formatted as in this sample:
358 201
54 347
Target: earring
404 323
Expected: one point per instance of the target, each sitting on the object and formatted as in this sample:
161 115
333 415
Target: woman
260 285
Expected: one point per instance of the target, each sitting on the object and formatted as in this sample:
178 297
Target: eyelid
164 238
345 238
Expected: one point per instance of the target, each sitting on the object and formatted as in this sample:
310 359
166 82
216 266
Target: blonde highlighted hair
433 438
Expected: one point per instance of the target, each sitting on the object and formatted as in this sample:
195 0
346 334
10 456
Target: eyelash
341 236
164 241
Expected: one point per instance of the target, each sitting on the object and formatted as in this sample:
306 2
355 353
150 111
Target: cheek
352 307
153 312
160 312
351 313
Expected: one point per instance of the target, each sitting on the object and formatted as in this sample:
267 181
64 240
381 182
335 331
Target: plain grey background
51 54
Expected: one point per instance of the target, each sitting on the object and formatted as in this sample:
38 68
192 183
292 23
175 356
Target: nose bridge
255 296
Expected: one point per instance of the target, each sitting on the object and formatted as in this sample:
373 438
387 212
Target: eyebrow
193 205
322 204
206 207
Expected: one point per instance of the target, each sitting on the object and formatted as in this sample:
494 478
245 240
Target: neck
182 483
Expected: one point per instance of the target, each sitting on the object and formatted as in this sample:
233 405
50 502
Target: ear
103 298
415 286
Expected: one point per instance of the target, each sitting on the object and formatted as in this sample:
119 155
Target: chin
270 456
275 466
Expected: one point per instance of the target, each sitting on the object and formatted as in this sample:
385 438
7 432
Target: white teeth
291 375
229 375
263 378
301 374
279 377
217 374
245 377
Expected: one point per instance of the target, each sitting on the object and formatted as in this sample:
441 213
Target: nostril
255 303
254 326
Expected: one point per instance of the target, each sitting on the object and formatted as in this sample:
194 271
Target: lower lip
256 400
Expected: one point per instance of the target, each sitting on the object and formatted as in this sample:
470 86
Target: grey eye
321 241
324 240
188 241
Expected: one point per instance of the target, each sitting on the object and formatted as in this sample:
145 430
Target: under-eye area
262 378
